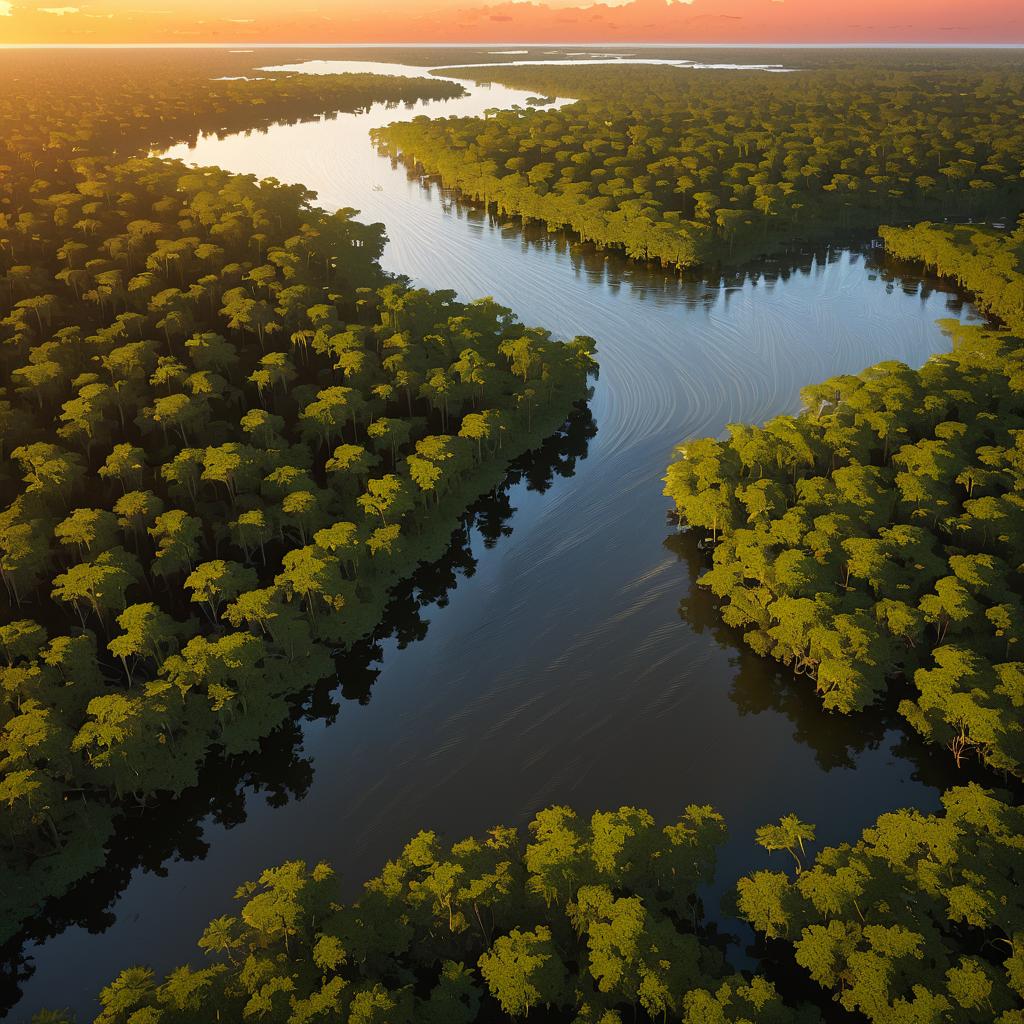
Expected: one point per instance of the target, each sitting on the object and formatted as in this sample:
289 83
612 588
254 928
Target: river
559 667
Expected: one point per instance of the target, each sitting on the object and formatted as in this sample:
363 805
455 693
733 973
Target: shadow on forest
704 286
149 837
837 741
760 684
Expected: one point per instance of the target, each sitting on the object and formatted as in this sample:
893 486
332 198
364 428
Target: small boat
378 188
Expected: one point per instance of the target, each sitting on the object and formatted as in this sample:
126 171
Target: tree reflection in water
149 838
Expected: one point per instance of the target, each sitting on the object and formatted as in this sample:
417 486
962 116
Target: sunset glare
506 21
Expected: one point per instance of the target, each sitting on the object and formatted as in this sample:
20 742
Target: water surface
560 668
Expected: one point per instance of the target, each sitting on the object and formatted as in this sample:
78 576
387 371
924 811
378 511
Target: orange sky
430 21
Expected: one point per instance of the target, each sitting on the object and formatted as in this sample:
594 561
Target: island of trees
920 921
227 433
874 541
689 167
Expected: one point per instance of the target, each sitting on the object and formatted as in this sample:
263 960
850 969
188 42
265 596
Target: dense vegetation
686 167
987 263
920 921
875 539
227 433
144 99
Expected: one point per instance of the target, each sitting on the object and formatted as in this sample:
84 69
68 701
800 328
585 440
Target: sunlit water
328 67
561 671
587 59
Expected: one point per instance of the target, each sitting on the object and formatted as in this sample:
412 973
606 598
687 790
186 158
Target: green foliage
789 834
921 919
878 535
687 168
230 433
464 933
985 261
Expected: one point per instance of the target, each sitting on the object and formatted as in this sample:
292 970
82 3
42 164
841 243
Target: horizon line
879 45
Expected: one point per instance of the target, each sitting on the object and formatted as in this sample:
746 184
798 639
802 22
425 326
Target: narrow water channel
559 668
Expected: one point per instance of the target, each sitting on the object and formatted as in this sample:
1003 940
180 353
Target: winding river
559 667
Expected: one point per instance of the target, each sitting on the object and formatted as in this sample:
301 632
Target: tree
326 416
384 538
137 508
303 508
521 354
789 834
308 576
252 530
340 540
119 739
126 463
964 704
90 530
149 633
352 460
49 470
386 433
99 585
870 921
386 496
524 970
477 426
424 473
236 466
213 583
177 536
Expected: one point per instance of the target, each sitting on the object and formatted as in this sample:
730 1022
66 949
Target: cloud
59 11
6 8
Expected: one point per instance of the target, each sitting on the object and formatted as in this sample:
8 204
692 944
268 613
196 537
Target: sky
513 21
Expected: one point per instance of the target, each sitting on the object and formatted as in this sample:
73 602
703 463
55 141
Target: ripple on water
560 670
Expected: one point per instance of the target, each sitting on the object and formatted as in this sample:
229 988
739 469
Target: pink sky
505 21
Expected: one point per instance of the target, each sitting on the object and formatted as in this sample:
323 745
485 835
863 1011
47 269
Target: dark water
546 659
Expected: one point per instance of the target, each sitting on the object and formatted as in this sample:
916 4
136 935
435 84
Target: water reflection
701 288
760 685
280 773
550 662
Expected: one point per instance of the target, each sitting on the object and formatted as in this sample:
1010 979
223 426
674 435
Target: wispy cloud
59 11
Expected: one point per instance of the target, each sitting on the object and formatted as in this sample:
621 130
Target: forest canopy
227 433
689 167
920 921
875 540
140 100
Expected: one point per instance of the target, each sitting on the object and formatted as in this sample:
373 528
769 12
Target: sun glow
513 21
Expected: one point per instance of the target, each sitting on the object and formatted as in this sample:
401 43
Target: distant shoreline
485 43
